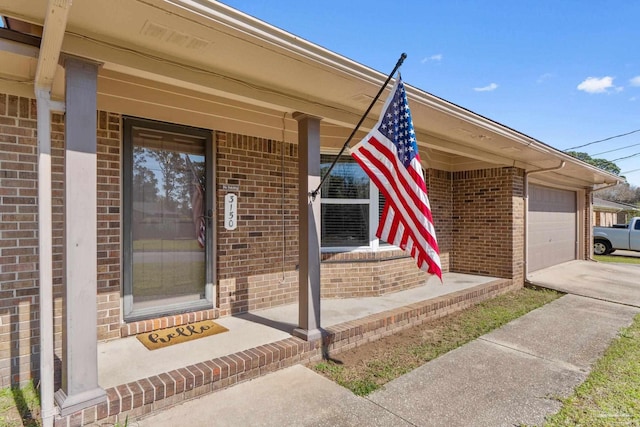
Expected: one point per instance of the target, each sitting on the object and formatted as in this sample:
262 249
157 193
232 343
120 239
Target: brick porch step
147 395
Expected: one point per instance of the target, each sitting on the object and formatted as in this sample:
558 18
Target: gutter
54 28
607 186
526 213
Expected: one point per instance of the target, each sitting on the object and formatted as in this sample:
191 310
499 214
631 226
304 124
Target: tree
145 183
603 164
171 166
622 193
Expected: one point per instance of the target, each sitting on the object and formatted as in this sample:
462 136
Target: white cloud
434 58
597 85
633 98
635 81
544 77
488 88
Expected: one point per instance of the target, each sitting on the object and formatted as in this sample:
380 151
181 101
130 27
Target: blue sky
564 72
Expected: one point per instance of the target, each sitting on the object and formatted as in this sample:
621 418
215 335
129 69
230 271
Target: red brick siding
256 262
365 274
488 223
18 240
109 224
518 224
57 195
439 187
587 231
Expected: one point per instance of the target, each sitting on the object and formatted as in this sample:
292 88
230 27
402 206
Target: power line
617 149
625 157
626 172
602 140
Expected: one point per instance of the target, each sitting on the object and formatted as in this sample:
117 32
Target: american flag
389 155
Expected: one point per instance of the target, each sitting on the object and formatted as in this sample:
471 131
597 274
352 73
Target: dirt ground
384 348
369 366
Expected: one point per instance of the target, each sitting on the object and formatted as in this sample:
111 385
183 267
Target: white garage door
552 226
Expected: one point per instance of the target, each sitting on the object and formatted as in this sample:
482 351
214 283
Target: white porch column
309 227
80 387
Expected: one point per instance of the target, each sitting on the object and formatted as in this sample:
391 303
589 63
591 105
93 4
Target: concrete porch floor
126 360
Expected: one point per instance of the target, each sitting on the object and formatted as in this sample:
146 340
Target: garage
552 227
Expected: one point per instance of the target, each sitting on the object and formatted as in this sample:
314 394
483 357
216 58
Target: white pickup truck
623 236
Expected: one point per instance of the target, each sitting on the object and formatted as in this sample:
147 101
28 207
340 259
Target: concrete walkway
511 376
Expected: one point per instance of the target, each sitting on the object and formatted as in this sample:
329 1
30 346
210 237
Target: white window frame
374 209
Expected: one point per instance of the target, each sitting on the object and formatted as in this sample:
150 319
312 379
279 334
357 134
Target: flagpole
314 193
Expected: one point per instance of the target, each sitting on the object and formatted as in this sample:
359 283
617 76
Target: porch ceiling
209 48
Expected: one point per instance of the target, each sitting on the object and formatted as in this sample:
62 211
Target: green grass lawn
19 407
617 258
610 396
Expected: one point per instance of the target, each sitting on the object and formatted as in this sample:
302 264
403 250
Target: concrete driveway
619 283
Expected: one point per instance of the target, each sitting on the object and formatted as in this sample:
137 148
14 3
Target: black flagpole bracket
313 194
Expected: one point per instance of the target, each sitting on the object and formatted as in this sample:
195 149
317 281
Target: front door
168 182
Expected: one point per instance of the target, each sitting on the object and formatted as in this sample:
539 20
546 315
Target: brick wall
587 231
109 224
439 187
367 274
57 200
256 262
488 223
18 240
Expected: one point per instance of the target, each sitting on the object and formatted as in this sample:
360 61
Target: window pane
345 225
346 181
168 263
381 202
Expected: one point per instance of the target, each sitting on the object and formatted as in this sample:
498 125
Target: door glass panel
167 226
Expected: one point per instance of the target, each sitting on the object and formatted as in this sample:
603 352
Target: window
350 204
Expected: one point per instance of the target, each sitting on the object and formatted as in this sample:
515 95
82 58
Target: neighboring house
104 104
607 213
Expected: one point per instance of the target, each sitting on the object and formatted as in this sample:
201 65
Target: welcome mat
178 334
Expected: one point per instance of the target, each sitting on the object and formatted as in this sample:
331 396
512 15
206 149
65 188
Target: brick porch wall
488 223
367 274
256 262
18 240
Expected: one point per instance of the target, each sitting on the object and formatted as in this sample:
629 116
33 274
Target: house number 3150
230 211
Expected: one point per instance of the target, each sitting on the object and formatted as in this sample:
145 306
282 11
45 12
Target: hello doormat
179 334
